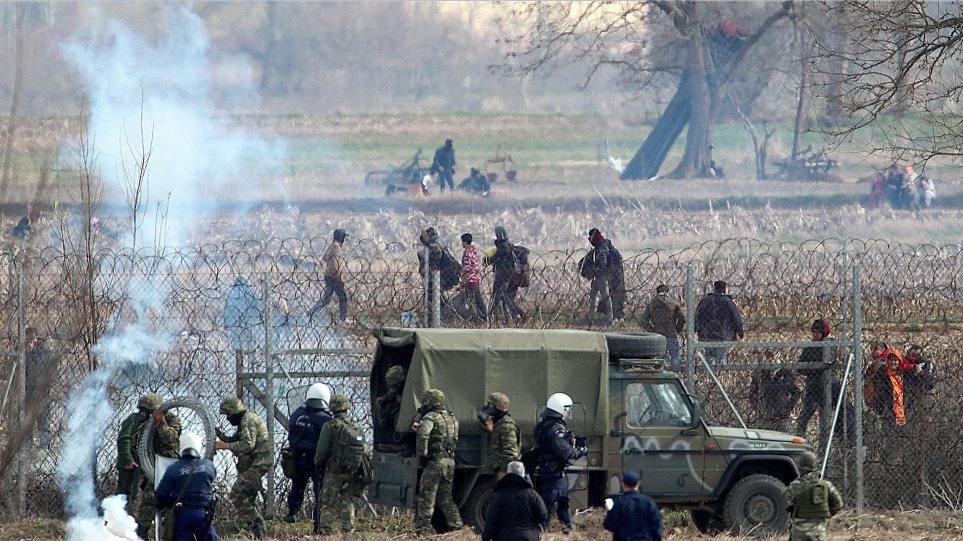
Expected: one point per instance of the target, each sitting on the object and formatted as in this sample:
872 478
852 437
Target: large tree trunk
695 159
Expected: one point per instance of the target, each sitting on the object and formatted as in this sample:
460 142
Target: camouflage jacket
437 435
389 406
250 443
802 487
503 446
330 433
165 442
664 316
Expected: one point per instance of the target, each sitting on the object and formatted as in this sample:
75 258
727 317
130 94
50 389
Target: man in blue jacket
635 517
304 427
188 487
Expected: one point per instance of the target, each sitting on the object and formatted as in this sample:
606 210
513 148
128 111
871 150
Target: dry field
848 526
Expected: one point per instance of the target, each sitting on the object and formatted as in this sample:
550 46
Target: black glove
423 460
580 452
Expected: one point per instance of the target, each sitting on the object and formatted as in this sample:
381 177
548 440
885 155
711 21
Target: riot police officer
188 487
304 427
556 451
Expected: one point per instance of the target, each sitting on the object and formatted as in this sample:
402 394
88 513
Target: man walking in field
718 320
663 315
334 265
471 279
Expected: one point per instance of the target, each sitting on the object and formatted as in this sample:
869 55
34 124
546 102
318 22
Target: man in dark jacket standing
718 320
555 451
505 286
635 517
304 427
597 265
663 315
188 487
515 512
444 165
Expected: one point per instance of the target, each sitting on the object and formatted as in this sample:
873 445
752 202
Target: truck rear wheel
642 345
476 507
755 507
707 522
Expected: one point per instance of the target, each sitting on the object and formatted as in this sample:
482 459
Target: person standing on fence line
304 427
470 281
718 320
515 512
635 516
813 390
341 452
663 315
813 501
187 487
38 371
334 267
506 266
596 266
775 391
251 446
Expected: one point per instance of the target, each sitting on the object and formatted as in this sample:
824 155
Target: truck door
394 480
660 440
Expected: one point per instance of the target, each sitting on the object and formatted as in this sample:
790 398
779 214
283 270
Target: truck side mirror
697 412
617 425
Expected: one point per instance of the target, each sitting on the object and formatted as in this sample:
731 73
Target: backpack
350 449
450 271
520 274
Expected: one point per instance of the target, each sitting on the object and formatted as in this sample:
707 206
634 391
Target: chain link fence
212 301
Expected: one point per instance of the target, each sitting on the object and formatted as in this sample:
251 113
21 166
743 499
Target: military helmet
499 400
150 401
190 444
232 406
395 375
434 399
339 403
807 461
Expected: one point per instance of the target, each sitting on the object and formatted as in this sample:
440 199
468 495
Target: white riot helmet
319 396
191 444
560 403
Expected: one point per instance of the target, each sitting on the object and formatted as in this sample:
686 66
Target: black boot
142 532
257 528
292 515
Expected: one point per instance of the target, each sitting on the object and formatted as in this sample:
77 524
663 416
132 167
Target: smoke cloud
160 90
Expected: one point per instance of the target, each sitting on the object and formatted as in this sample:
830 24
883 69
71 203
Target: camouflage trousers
145 504
436 489
808 530
338 497
244 492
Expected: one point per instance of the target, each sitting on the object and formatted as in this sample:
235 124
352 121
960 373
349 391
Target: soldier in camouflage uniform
338 491
167 431
503 446
435 448
813 502
389 404
252 448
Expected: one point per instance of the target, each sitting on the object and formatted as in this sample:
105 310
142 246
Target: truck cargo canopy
527 365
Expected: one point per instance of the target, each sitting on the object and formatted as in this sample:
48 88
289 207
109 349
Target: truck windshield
656 404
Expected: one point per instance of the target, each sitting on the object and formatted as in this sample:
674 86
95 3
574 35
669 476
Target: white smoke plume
163 90
160 87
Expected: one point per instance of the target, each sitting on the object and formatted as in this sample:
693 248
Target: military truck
635 415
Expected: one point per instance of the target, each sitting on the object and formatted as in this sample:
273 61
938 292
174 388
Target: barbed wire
910 294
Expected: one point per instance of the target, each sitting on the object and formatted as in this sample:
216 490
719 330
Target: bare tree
898 73
706 52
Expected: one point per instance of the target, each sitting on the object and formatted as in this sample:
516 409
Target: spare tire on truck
640 345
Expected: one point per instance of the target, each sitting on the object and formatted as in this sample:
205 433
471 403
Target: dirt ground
928 525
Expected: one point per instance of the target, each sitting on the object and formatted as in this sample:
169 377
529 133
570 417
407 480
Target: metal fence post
269 384
858 383
426 278
20 501
436 299
690 328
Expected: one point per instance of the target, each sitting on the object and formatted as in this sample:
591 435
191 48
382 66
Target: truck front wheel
755 507
476 507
